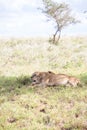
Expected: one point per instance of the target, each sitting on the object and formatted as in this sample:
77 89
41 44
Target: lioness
48 79
51 79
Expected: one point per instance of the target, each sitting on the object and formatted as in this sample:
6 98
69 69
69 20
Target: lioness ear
50 72
36 73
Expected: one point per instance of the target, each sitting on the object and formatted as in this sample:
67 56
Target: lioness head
39 77
35 78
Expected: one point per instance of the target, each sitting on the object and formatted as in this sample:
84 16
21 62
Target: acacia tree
60 13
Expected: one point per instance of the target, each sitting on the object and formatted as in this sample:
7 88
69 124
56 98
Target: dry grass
24 107
26 56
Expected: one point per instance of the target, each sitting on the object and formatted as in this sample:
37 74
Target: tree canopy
60 13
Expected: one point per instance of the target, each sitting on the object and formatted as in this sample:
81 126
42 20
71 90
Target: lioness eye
34 80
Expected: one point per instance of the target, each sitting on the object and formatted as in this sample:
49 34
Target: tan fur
51 79
73 81
40 77
48 79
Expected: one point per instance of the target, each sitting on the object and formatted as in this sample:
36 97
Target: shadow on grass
22 84
14 84
83 78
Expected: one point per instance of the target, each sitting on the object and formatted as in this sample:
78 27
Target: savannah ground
24 107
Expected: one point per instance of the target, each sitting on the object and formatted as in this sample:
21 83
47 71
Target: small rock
11 120
42 110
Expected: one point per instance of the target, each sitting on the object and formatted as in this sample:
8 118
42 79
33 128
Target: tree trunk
54 36
58 36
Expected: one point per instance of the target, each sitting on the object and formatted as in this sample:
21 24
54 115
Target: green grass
41 108
25 107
